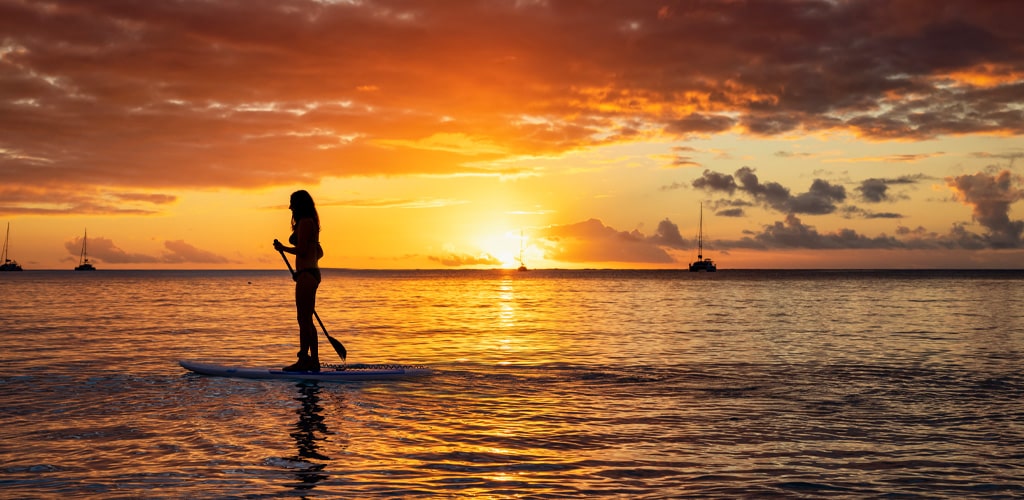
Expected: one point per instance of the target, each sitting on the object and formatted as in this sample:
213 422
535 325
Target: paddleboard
352 373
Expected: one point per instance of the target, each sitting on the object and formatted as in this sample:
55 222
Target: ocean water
548 384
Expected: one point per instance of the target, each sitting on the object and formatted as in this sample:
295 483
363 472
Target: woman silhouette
306 247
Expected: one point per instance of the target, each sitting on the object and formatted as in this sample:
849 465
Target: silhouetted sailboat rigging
83 258
702 264
8 264
522 265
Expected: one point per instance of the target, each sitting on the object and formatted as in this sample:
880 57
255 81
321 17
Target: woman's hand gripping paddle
338 347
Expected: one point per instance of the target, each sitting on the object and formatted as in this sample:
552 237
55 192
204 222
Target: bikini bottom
311 270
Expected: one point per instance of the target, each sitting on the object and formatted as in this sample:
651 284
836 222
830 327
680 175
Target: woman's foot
302 365
312 364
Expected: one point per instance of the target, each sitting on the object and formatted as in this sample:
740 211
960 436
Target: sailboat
83 258
522 265
8 264
702 264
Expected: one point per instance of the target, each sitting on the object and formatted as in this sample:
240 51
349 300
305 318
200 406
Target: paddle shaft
337 345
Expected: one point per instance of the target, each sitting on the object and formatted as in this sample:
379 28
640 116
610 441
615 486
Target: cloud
700 123
820 199
990 197
668 235
104 250
989 194
197 94
177 252
396 203
82 200
876 190
592 241
458 260
1011 157
793 154
714 181
851 211
793 233
900 158
731 212
180 252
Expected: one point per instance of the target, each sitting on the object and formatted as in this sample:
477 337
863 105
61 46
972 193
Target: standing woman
306 247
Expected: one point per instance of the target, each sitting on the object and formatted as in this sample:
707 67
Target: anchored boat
83 258
702 264
8 264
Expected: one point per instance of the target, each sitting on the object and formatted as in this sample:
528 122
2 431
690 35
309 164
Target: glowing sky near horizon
453 134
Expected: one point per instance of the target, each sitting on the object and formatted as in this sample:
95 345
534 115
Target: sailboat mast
700 235
6 237
85 239
520 248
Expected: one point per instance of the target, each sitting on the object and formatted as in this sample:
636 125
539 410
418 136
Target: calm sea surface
549 384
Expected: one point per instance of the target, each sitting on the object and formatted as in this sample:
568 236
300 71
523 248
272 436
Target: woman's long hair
303 207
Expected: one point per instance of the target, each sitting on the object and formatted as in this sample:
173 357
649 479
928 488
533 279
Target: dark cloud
990 197
731 212
821 198
850 211
882 215
714 181
772 193
876 190
793 233
771 124
700 123
730 207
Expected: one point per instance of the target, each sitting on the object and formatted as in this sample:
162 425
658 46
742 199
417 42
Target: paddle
338 347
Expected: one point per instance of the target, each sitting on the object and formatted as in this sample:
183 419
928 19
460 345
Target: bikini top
294 239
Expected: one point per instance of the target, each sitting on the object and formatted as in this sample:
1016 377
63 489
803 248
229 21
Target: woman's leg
305 303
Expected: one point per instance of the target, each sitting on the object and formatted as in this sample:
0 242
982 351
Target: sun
506 247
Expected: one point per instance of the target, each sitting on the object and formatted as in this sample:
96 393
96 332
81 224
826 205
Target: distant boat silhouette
8 264
522 265
83 258
702 264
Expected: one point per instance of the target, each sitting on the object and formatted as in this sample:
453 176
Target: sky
463 134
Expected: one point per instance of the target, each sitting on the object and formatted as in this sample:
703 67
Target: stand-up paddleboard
351 373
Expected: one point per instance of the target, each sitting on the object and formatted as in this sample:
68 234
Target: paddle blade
338 347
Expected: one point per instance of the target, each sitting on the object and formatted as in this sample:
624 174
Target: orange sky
817 134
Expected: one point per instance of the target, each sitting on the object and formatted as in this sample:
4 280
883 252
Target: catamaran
8 264
702 264
83 258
